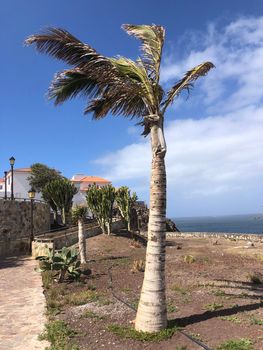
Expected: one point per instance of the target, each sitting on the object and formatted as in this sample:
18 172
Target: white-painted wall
21 185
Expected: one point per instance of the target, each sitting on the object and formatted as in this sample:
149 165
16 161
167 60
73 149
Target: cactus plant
64 261
125 201
61 191
100 201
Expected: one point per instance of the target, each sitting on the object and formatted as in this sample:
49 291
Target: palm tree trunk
63 216
152 315
82 242
108 227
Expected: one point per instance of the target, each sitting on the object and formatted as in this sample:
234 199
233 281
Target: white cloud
213 162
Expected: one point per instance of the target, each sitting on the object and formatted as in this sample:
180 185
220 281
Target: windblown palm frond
186 82
137 75
62 45
152 37
125 103
95 76
71 83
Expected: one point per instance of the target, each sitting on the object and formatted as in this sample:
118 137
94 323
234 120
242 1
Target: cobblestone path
22 305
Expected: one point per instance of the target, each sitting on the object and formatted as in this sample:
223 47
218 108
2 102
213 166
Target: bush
138 266
131 333
241 344
189 259
58 334
256 278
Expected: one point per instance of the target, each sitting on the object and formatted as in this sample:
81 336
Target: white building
21 185
83 183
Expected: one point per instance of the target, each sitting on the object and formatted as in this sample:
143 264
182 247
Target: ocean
250 223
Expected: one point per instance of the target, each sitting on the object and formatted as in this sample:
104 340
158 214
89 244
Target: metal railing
19 199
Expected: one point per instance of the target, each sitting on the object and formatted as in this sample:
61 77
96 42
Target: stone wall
140 219
67 238
15 224
231 236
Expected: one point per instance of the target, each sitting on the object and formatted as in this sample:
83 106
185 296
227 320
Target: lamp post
5 185
12 162
31 195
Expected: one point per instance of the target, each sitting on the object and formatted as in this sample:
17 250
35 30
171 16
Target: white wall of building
21 185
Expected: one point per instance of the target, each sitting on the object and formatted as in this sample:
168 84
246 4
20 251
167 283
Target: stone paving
22 305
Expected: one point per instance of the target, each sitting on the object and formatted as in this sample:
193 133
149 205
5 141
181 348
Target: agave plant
121 86
64 261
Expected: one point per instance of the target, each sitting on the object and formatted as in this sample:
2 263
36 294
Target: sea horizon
233 223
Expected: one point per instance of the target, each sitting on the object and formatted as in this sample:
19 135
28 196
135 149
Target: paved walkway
22 305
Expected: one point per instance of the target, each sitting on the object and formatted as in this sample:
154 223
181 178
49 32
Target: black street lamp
12 162
31 195
5 185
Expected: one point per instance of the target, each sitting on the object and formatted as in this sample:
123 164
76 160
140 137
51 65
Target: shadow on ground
207 315
12 261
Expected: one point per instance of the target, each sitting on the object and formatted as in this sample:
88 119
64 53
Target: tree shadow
113 257
133 235
12 261
237 282
207 315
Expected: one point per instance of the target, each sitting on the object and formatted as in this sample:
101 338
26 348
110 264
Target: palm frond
152 37
187 82
62 45
71 83
135 75
127 103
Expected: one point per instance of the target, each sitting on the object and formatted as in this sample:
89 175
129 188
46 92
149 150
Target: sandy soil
211 296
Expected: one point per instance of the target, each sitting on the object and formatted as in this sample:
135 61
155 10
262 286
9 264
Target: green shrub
81 298
58 333
213 306
179 289
91 314
131 333
138 266
233 319
189 259
255 278
256 321
241 344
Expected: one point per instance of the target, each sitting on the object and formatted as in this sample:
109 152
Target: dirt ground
209 293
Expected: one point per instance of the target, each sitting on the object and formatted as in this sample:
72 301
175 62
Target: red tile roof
24 170
92 179
2 180
21 170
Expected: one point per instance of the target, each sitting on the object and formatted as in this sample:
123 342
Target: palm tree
78 214
121 86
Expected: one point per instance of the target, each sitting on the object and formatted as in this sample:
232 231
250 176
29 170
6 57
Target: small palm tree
121 86
79 214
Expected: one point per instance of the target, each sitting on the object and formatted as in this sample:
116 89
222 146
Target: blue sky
214 160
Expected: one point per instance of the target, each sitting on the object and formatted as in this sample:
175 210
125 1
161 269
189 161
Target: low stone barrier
231 236
67 238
